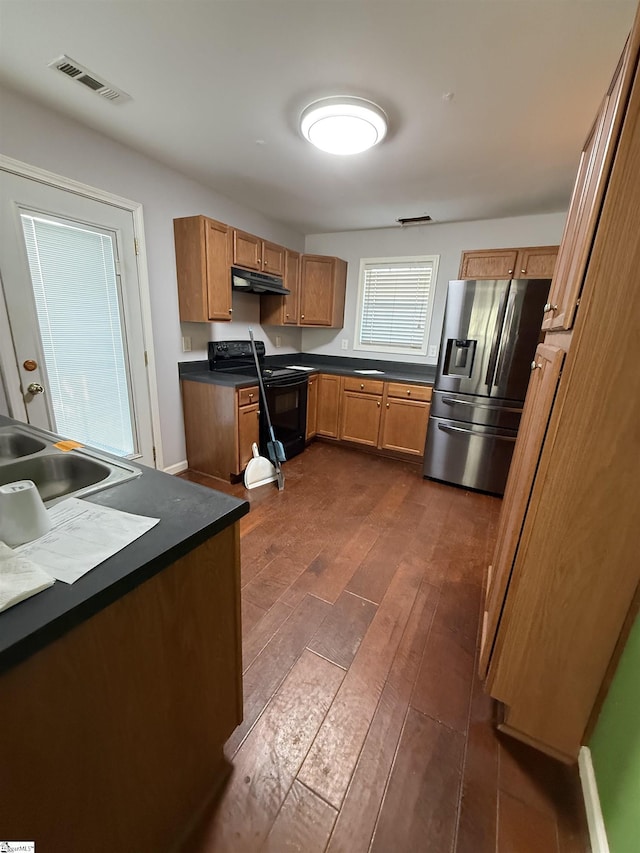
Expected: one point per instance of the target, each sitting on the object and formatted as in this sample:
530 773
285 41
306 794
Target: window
395 302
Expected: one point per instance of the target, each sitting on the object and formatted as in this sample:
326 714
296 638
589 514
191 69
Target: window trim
395 350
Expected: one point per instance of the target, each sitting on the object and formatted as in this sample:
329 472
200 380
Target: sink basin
55 475
14 444
30 453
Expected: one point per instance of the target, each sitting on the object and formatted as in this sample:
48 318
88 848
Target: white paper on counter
369 372
300 367
83 535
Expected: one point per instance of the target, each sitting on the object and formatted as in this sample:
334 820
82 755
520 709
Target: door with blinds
70 281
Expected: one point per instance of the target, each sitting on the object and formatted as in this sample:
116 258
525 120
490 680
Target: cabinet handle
287 315
408 393
378 405
302 316
387 405
549 307
535 366
510 271
230 310
523 271
361 387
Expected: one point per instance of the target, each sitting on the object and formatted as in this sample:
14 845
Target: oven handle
297 383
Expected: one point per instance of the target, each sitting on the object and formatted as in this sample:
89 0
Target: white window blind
395 303
77 299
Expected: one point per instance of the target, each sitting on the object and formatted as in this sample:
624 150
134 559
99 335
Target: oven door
287 403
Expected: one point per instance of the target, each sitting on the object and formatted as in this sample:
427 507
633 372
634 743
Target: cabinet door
584 210
537 262
488 263
292 283
404 426
273 258
539 401
312 407
247 250
248 432
218 273
329 389
360 420
317 290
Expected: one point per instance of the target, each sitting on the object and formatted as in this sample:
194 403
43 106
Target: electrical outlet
278 340
433 352
186 344
344 343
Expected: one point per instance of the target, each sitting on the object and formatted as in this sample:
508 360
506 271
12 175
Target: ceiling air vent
414 220
82 75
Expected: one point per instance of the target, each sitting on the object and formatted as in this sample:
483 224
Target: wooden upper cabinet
586 202
284 310
537 262
273 259
488 263
532 262
541 392
203 256
323 282
253 253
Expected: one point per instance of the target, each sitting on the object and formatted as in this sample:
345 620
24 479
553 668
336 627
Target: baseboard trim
595 821
178 468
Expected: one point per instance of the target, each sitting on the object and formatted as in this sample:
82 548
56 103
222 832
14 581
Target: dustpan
259 471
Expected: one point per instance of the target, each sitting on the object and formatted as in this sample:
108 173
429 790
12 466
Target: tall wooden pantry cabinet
567 560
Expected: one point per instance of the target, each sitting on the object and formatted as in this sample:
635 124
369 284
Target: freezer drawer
474 409
470 455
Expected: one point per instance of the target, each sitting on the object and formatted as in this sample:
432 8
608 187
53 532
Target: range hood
257 282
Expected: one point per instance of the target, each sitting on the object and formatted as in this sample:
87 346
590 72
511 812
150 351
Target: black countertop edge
189 515
66 621
398 371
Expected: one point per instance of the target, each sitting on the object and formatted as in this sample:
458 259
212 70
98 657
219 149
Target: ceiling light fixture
343 125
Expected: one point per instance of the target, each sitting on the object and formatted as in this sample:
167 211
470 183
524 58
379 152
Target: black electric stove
285 391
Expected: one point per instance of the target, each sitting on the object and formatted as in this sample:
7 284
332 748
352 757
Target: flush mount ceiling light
343 125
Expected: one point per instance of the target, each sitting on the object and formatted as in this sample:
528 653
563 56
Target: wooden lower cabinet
221 423
361 415
133 705
404 426
329 399
312 407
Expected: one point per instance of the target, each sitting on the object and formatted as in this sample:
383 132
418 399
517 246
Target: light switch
433 351
278 341
345 343
186 344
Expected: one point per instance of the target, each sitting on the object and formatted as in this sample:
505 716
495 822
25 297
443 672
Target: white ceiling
218 86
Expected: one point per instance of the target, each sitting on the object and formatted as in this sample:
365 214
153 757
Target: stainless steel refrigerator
490 333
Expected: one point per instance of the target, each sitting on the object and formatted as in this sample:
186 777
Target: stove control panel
225 351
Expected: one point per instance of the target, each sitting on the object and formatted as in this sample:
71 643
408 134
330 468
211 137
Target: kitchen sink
29 453
14 444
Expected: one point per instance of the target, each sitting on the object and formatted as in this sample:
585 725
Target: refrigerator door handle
449 428
453 402
507 341
497 337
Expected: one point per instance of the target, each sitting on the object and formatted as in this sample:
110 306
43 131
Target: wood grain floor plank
360 808
270 667
251 615
524 829
339 637
256 638
265 767
423 788
334 754
374 574
303 825
477 821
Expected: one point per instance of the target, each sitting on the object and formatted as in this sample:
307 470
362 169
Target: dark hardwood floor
365 726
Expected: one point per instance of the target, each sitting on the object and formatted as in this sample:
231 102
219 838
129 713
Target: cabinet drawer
409 392
247 396
366 386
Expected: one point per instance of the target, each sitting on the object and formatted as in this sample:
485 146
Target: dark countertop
189 515
394 371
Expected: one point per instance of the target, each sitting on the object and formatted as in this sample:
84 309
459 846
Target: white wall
448 241
35 135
